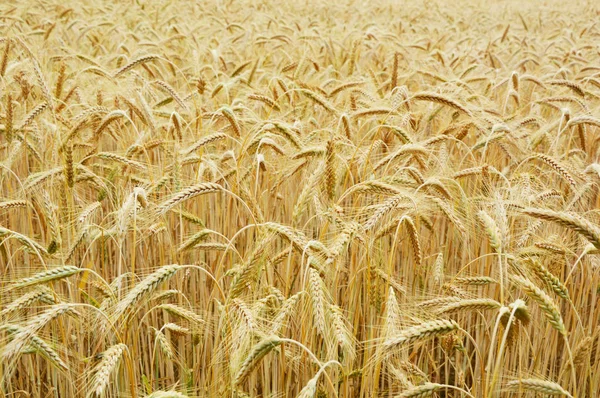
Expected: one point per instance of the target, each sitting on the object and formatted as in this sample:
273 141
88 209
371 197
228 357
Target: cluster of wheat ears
257 199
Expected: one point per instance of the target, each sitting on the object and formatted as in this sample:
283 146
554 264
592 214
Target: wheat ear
479 304
571 221
537 385
258 352
108 364
549 308
144 287
40 346
420 332
47 276
188 193
134 63
166 394
424 390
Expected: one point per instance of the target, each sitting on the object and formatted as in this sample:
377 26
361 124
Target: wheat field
299 199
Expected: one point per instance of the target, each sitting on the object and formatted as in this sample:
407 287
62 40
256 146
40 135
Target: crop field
299 199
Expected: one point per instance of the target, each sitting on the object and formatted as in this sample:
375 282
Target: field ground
293 199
